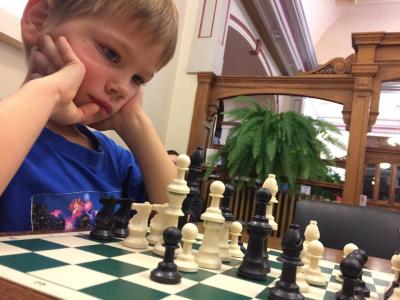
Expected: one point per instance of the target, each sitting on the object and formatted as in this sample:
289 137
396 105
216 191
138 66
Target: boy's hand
57 64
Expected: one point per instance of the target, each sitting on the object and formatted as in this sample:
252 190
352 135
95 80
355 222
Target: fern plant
287 144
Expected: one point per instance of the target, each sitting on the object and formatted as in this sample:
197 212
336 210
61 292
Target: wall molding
283 29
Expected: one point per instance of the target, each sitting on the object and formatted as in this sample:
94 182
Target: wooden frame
355 82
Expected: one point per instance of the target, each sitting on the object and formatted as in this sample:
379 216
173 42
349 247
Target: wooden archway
355 82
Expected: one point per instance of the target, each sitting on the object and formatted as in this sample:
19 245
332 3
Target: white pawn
300 277
236 229
208 255
310 234
185 260
395 295
138 227
395 260
313 273
156 224
347 249
271 184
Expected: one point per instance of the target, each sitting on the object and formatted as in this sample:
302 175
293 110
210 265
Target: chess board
71 266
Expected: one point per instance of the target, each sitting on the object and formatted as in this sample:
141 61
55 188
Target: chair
374 230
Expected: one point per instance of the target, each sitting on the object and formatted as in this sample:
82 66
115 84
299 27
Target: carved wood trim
354 82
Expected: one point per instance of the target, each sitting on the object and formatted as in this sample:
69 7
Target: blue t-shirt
60 183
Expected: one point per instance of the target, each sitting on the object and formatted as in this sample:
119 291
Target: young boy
87 62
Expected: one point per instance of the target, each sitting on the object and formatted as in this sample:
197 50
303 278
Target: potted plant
286 144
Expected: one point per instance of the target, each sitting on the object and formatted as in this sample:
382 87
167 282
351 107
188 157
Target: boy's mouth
103 105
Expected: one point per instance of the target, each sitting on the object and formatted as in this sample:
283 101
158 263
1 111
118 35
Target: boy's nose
118 90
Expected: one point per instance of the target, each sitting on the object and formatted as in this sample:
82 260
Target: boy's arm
25 113
23 116
158 170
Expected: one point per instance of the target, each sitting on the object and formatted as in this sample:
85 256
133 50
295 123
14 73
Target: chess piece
208 255
167 272
311 233
395 295
253 265
157 224
138 227
271 184
121 218
236 229
185 260
192 204
240 242
361 288
224 252
104 220
351 269
395 260
176 192
300 277
347 249
313 273
286 287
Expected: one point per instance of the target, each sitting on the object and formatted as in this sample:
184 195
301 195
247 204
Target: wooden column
356 148
364 71
203 112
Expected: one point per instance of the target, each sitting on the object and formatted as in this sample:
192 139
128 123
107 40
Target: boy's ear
33 19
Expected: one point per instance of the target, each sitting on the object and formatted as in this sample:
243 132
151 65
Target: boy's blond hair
159 17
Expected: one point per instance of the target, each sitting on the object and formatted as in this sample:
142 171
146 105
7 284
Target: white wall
320 15
184 84
12 69
12 59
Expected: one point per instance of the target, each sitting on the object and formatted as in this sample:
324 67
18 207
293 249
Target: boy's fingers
66 52
49 49
41 64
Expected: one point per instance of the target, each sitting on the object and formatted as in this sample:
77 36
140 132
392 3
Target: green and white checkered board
71 266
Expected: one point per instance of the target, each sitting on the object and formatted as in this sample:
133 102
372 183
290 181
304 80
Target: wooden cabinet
382 186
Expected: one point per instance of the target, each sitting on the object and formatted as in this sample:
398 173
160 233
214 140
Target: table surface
11 290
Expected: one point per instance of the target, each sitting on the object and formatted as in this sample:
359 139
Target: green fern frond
288 144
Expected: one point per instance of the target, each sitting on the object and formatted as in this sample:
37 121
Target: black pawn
104 220
167 271
225 203
351 269
122 217
395 283
361 288
286 287
253 265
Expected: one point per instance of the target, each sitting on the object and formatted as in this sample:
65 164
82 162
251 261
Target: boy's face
118 57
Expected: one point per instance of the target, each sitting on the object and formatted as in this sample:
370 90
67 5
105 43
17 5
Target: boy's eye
137 79
110 54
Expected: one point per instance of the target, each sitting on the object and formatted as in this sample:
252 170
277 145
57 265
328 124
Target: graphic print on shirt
67 211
